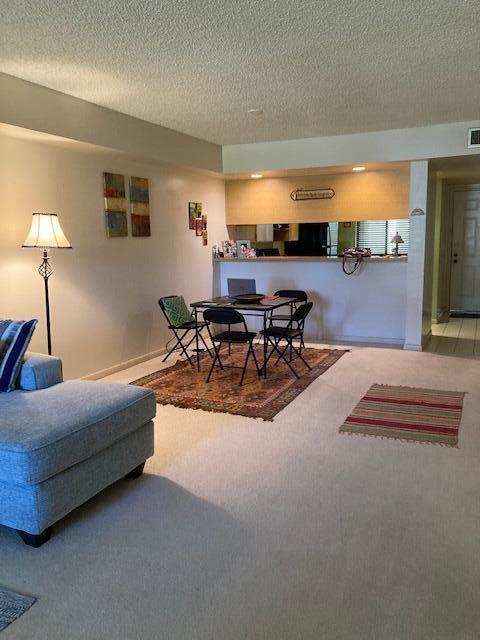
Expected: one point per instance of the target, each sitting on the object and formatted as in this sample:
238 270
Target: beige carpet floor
243 529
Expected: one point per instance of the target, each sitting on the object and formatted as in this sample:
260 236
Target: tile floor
458 337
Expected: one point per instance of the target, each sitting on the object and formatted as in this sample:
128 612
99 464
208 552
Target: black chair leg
285 359
274 349
299 355
259 370
205 344
171 351
182 346
246 363
217 357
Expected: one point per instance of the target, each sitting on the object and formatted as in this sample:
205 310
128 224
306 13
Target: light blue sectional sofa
63 442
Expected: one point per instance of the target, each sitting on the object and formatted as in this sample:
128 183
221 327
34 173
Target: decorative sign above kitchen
312 193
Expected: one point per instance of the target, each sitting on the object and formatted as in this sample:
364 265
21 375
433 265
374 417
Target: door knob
455 261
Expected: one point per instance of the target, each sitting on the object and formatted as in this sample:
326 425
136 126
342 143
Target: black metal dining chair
299 298
180 319
229 317
275 335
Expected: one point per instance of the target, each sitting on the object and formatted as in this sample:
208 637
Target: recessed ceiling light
255 112
358 169
256 175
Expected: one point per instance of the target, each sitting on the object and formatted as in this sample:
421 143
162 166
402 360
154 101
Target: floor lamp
46 233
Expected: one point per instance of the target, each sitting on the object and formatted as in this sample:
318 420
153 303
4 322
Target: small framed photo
198 226
204 222
243 248
205 237
227 246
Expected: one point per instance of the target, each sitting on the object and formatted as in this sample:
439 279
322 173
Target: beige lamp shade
397 239
46 233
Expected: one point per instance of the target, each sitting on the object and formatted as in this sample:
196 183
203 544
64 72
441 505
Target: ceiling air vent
473 138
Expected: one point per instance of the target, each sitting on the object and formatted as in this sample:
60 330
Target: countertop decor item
46 233
243 248
249 298
396 240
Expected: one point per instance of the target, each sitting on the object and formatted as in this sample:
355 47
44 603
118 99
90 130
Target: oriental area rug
183 386
405 413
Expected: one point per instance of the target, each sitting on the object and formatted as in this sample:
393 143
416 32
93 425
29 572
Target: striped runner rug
12 606
406 413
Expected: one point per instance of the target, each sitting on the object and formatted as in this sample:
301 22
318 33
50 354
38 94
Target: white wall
366 307
437 141
104 292
416 273
428 278
438 302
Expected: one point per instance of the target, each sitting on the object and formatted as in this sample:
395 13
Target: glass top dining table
263 309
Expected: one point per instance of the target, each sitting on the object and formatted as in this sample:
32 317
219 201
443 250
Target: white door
465 280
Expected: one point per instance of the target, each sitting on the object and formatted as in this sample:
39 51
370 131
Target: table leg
196 339
265 342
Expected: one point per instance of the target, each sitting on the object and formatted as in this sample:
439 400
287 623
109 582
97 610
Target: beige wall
104 292
31 106
372 195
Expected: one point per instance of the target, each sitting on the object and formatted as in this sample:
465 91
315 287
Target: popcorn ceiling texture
316 67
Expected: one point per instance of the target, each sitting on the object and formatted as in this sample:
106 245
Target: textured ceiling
316 67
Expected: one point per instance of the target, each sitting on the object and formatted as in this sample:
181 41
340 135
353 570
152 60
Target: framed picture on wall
139 207
198 226
192 214
115 205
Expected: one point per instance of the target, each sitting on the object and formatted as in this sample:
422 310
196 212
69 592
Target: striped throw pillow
15 336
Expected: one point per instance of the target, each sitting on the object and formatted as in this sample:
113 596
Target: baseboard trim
412 347
364 339
123 365
426 339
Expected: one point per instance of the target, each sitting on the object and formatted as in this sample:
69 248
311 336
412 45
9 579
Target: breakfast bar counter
366 307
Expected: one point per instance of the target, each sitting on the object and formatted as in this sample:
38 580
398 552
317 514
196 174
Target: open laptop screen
240 286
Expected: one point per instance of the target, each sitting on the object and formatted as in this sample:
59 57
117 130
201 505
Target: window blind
372 235
377 234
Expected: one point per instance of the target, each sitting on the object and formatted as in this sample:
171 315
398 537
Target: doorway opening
456 287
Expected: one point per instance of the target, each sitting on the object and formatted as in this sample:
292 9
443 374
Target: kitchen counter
372 259
368 306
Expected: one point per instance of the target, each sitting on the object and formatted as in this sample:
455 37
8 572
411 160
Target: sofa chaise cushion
45 432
